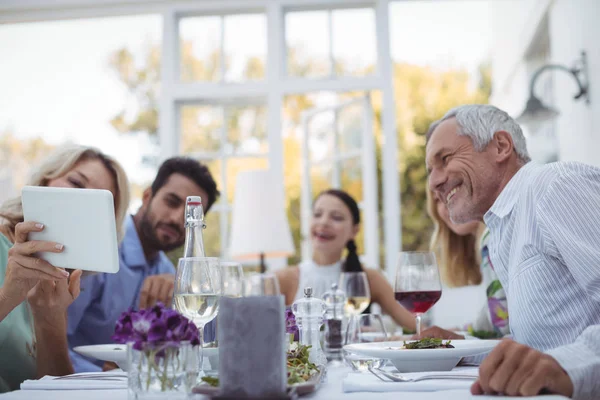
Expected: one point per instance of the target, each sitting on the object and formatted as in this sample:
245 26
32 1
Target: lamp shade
536 114
259 222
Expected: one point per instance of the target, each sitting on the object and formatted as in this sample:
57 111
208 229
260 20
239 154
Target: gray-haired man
544 223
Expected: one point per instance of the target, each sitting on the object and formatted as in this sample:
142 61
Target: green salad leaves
428 343
299 368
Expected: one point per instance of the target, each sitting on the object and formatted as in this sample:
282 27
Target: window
230 48
339 42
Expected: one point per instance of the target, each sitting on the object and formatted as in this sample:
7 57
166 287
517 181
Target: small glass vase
162 371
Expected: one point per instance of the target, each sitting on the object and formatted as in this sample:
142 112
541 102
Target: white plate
116 353
423 359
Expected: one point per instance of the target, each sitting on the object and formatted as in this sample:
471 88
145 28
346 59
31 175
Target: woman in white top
334 225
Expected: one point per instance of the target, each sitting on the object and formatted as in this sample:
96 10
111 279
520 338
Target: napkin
82 381
252 358
367 382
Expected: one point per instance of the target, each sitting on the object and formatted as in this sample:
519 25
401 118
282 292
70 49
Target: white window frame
273 89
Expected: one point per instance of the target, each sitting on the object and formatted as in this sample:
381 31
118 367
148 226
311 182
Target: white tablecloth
330 390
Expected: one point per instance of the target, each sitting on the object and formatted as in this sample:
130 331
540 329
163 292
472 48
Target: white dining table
331 389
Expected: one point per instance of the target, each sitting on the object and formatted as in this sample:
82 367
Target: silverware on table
394 377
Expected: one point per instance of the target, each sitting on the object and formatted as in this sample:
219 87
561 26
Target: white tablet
83 220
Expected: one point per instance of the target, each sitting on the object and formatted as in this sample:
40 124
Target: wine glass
358 294
233 278
417 284
261 285
198 288
365 328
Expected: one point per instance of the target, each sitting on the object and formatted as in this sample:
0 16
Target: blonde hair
458 256
58 164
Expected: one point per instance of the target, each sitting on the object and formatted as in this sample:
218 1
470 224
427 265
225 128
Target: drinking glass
261 285
364 328
233 278
417 284
198 288
358 294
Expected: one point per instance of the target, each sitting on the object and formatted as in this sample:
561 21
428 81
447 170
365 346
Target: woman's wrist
8 301
49 321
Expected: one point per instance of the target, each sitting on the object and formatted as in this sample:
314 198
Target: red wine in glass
419 301
417 285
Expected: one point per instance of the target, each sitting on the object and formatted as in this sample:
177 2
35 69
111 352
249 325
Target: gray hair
480 122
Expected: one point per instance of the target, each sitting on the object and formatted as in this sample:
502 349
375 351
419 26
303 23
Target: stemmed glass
417 284
364 328
233 278
261 285
198 289
358 294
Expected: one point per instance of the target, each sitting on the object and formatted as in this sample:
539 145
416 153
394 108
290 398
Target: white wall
572 27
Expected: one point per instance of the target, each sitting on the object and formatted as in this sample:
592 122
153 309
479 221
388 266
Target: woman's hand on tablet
50 299
24 270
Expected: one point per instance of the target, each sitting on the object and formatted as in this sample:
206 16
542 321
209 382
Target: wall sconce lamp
536 113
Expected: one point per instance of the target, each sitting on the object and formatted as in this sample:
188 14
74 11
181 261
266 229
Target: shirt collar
509 195
131 247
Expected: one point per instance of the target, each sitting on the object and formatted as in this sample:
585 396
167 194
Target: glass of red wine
417 284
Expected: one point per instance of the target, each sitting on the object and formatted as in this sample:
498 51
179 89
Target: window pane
201 128
351 177
321 178
247 130
245 47
321 138
200 48
307 41
354 42
349 127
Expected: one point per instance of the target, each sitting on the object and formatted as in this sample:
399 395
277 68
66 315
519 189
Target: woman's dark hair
352 263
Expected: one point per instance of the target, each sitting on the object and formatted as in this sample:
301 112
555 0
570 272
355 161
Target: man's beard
150 237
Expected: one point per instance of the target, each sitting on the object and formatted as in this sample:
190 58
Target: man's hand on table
157 288
108 366
517 370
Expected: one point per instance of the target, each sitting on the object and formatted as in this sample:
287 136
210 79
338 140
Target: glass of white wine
198 288
358 294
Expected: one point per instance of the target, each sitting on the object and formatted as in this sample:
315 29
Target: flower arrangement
155 328
164 345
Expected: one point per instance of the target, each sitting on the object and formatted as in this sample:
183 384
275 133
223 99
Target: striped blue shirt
545 247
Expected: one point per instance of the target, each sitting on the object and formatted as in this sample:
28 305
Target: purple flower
290 322
157 327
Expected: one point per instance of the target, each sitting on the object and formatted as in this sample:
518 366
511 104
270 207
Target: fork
399 378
